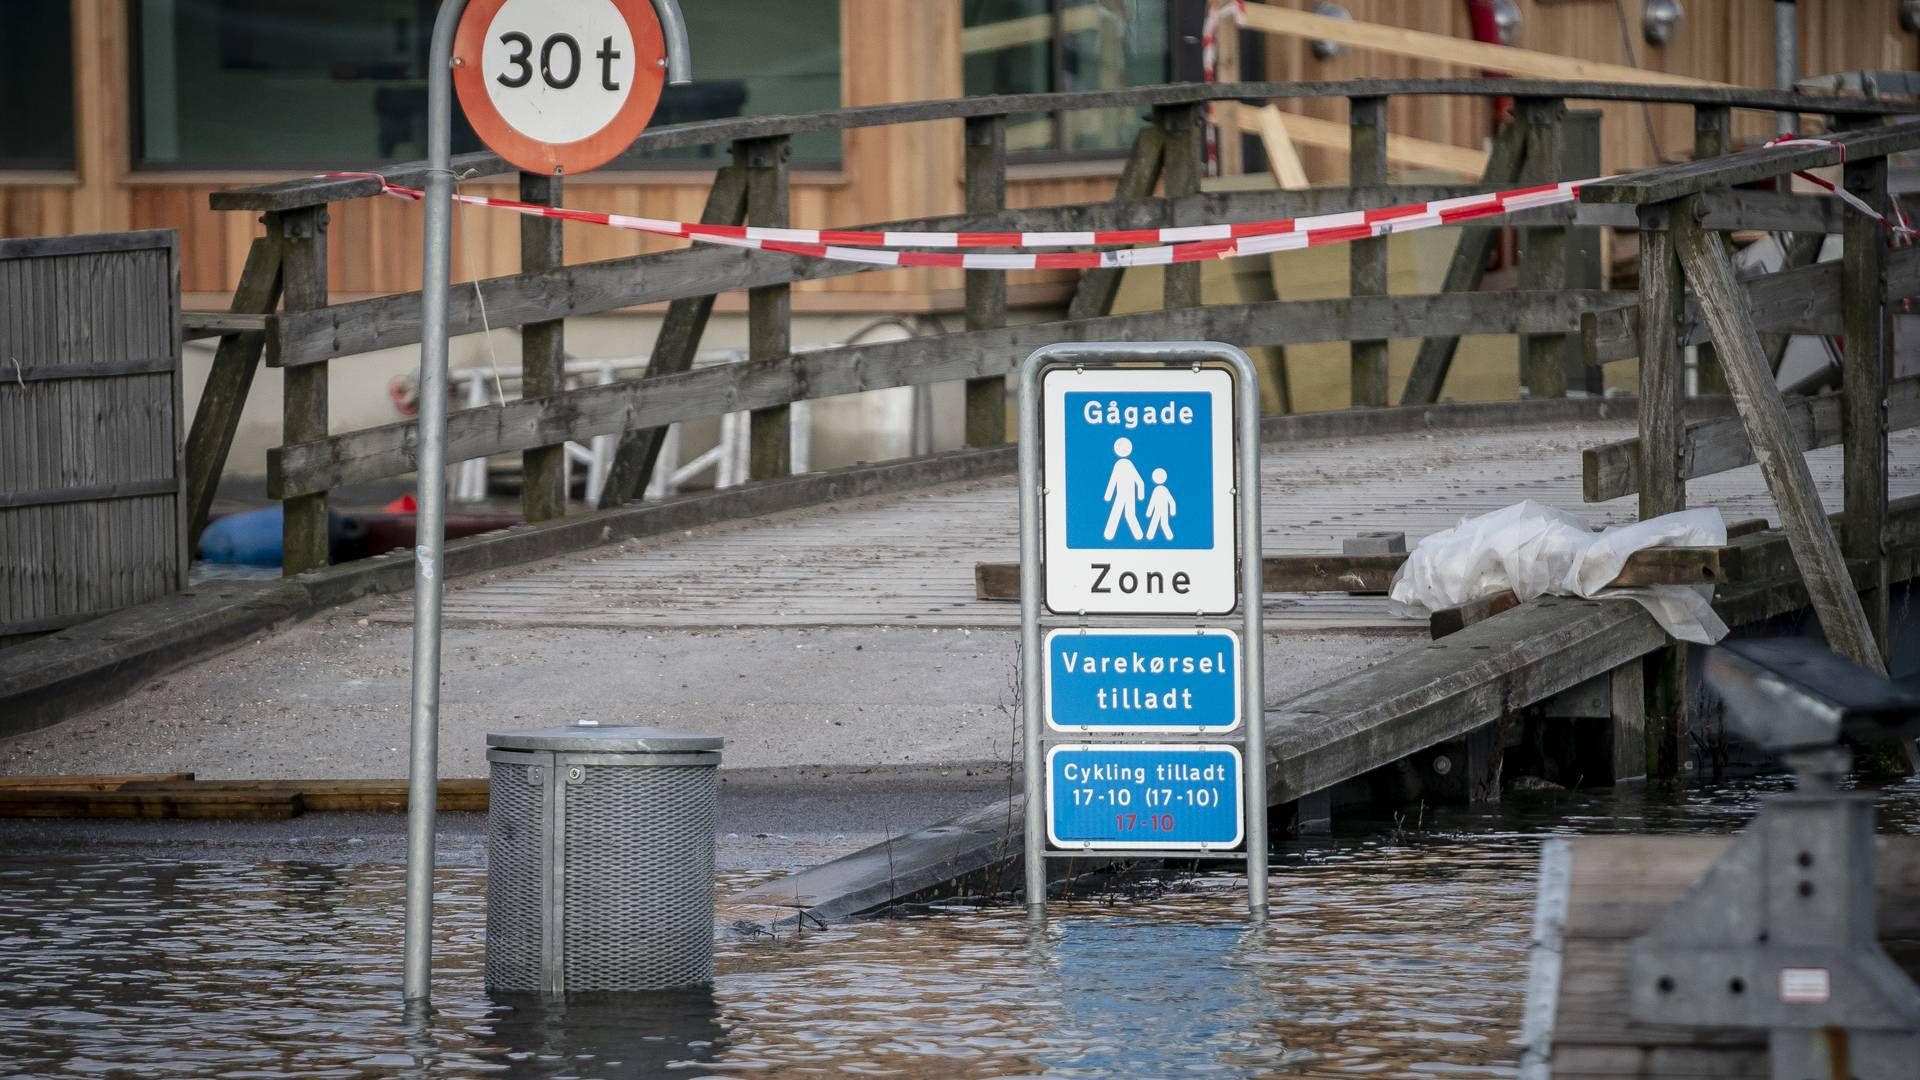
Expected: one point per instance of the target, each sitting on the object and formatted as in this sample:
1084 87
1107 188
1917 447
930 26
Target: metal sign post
423 751
1140 497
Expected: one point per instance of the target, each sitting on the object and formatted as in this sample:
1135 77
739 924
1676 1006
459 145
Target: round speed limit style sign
559 86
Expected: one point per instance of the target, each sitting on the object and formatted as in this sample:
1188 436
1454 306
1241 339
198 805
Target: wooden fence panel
92 499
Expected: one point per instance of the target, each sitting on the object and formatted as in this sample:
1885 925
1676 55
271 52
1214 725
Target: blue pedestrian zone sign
1144 797
1138 474
1144 681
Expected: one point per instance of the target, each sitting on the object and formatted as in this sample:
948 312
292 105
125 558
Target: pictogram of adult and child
1125 489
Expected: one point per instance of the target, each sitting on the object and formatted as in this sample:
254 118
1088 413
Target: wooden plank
1610 470
387 450
1466 269
1455 619
1442 49
303 537
1282 130
1374 574
1662 475
1093 296
674 348
1867 409
1712 137
769 309
321 795
126 489
87 783
1710 271
1627 720
195 325
20 373
986 290
1543 252
543 352
1182 161
224 805
1367 259
1671 182
228 382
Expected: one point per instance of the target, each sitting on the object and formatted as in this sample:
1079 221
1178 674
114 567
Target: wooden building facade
126 55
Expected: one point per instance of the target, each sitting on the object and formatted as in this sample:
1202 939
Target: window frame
55 172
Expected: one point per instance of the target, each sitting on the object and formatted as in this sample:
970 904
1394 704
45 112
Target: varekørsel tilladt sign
558 86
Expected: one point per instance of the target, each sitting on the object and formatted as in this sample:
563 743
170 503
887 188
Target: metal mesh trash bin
600 859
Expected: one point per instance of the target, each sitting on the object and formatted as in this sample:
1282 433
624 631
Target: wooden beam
1672 182
1182 162
543 352
149 805
1374 573
1610 470
1283 161
1367 259
303 536
235 361
1285 129
1712 137
986 290
1866 398
769 309
674 348
1709 270
1141 174
198 325
1466 269
1442 49
388 449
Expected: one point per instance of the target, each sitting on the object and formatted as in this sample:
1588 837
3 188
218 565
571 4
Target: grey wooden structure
92 493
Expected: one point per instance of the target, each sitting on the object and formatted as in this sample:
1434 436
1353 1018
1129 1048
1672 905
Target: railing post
1184 160
543 492
1663 484
1712 137
986 163
303 239
1863 387
1580 157
1367 266
769 308
1543 251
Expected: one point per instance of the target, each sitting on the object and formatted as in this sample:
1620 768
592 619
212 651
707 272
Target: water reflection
1396 949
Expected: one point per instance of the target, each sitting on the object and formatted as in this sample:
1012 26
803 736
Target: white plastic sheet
1535 550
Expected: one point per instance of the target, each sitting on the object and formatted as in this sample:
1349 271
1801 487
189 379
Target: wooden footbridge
1603 665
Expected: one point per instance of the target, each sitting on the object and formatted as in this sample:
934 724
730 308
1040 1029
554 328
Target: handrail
318 190
1692 177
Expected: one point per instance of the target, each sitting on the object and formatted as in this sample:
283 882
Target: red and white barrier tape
1901 232
1192 243
1232 11
1182 244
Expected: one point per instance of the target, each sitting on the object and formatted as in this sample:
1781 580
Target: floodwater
1396 949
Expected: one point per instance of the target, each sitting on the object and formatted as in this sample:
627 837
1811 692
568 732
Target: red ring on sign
569 159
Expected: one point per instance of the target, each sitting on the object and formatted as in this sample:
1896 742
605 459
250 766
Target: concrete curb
64 674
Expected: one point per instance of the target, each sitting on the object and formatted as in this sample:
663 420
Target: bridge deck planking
908 560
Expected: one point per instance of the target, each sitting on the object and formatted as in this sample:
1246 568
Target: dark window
342 83
1036 46
37 36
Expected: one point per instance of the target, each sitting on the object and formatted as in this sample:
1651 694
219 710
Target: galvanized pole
423 758
1786 59
1030 661
1252 581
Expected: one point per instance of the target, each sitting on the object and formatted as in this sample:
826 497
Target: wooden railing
281 309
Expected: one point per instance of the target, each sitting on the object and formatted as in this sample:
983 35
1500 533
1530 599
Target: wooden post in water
543 491
1663 483
1863 388
1093 297
235 361
1183 161
1468 267
769 308
986 154
1782 460
1367 266
675 347
1712 137
1543 251
303 238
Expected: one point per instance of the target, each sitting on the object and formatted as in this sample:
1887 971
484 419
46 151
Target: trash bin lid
605 739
